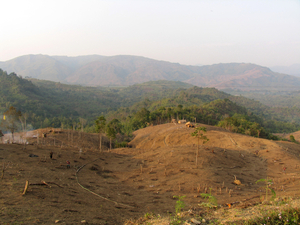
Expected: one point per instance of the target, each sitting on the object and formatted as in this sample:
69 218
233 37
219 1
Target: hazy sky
264 32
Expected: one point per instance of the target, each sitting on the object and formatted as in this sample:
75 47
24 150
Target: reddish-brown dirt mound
129 182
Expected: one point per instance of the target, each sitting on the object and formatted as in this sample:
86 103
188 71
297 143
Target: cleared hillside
130 182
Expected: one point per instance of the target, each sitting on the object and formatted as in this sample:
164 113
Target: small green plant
289 216
268 183
179 204
292 139
178 208
212 200
148 216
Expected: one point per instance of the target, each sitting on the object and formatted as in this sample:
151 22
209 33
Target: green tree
141 118
199 133
10 120
111 133
112 128
116 125
100 127
292 139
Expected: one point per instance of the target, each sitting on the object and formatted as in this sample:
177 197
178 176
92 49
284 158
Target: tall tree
116 125
111 133
82 123
10 119
100 127
23 120
113 127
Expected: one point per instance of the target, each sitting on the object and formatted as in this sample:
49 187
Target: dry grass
160 164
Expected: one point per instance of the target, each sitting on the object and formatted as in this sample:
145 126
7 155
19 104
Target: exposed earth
116 186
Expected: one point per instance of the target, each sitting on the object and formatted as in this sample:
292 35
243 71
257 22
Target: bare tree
82 123
100 127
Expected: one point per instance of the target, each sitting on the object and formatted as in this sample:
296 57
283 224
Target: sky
190 32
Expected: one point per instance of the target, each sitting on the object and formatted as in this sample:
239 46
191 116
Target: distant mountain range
291 70
122 70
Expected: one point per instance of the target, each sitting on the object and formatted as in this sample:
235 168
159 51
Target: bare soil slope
295 134
111 187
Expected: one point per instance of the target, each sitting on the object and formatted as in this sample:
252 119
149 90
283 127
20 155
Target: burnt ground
114 187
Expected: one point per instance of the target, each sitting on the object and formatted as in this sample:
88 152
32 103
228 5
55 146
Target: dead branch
55 184
43 182
26 187
76 173
46 184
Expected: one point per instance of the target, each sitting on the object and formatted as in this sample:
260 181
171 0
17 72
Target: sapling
212 200
268 183
199 133
179 204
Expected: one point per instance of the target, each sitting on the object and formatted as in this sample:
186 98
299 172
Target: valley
148 162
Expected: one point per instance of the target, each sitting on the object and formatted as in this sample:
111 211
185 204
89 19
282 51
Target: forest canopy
51 104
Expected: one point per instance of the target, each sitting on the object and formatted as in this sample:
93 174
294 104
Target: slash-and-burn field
124 184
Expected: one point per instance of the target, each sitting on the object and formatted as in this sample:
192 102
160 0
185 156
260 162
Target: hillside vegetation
54 104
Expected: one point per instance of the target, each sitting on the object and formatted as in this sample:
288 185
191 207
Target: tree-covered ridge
212 113
283 114
14 87
51 104
173 97
153 90
55 104
224 113
85 101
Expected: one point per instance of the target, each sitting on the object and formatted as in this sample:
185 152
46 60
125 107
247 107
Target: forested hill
15 88
124 70
45 100
279 119
51 103
55 104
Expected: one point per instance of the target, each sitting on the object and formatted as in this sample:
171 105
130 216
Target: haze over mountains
122 70
291 70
